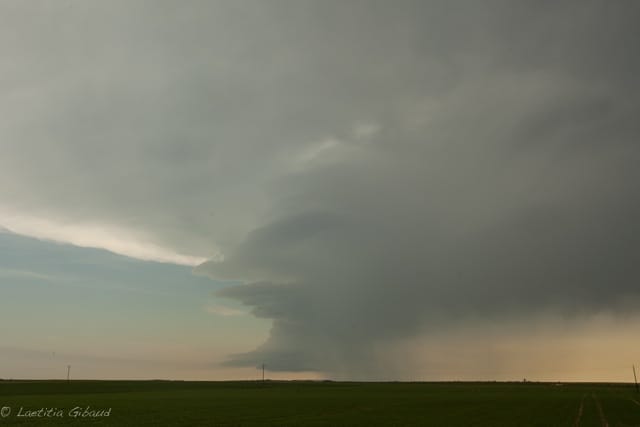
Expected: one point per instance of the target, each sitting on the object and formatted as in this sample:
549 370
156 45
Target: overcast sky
343 189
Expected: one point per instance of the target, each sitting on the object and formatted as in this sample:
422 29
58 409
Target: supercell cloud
369 173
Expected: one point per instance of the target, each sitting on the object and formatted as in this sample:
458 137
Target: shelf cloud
367 173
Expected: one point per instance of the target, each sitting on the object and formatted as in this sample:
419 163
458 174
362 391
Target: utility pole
68 372
635 378
263 372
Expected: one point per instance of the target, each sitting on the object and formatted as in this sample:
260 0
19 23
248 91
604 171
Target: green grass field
169 403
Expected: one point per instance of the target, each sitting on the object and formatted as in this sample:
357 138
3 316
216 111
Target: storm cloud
505 186
368 173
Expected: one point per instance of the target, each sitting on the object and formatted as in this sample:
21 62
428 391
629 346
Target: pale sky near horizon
416 190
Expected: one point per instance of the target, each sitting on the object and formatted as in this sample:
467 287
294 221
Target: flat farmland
300 403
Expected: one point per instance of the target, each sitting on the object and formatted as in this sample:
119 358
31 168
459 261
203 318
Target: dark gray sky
371 173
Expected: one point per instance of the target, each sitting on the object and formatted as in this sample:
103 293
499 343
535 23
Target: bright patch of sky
113 316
